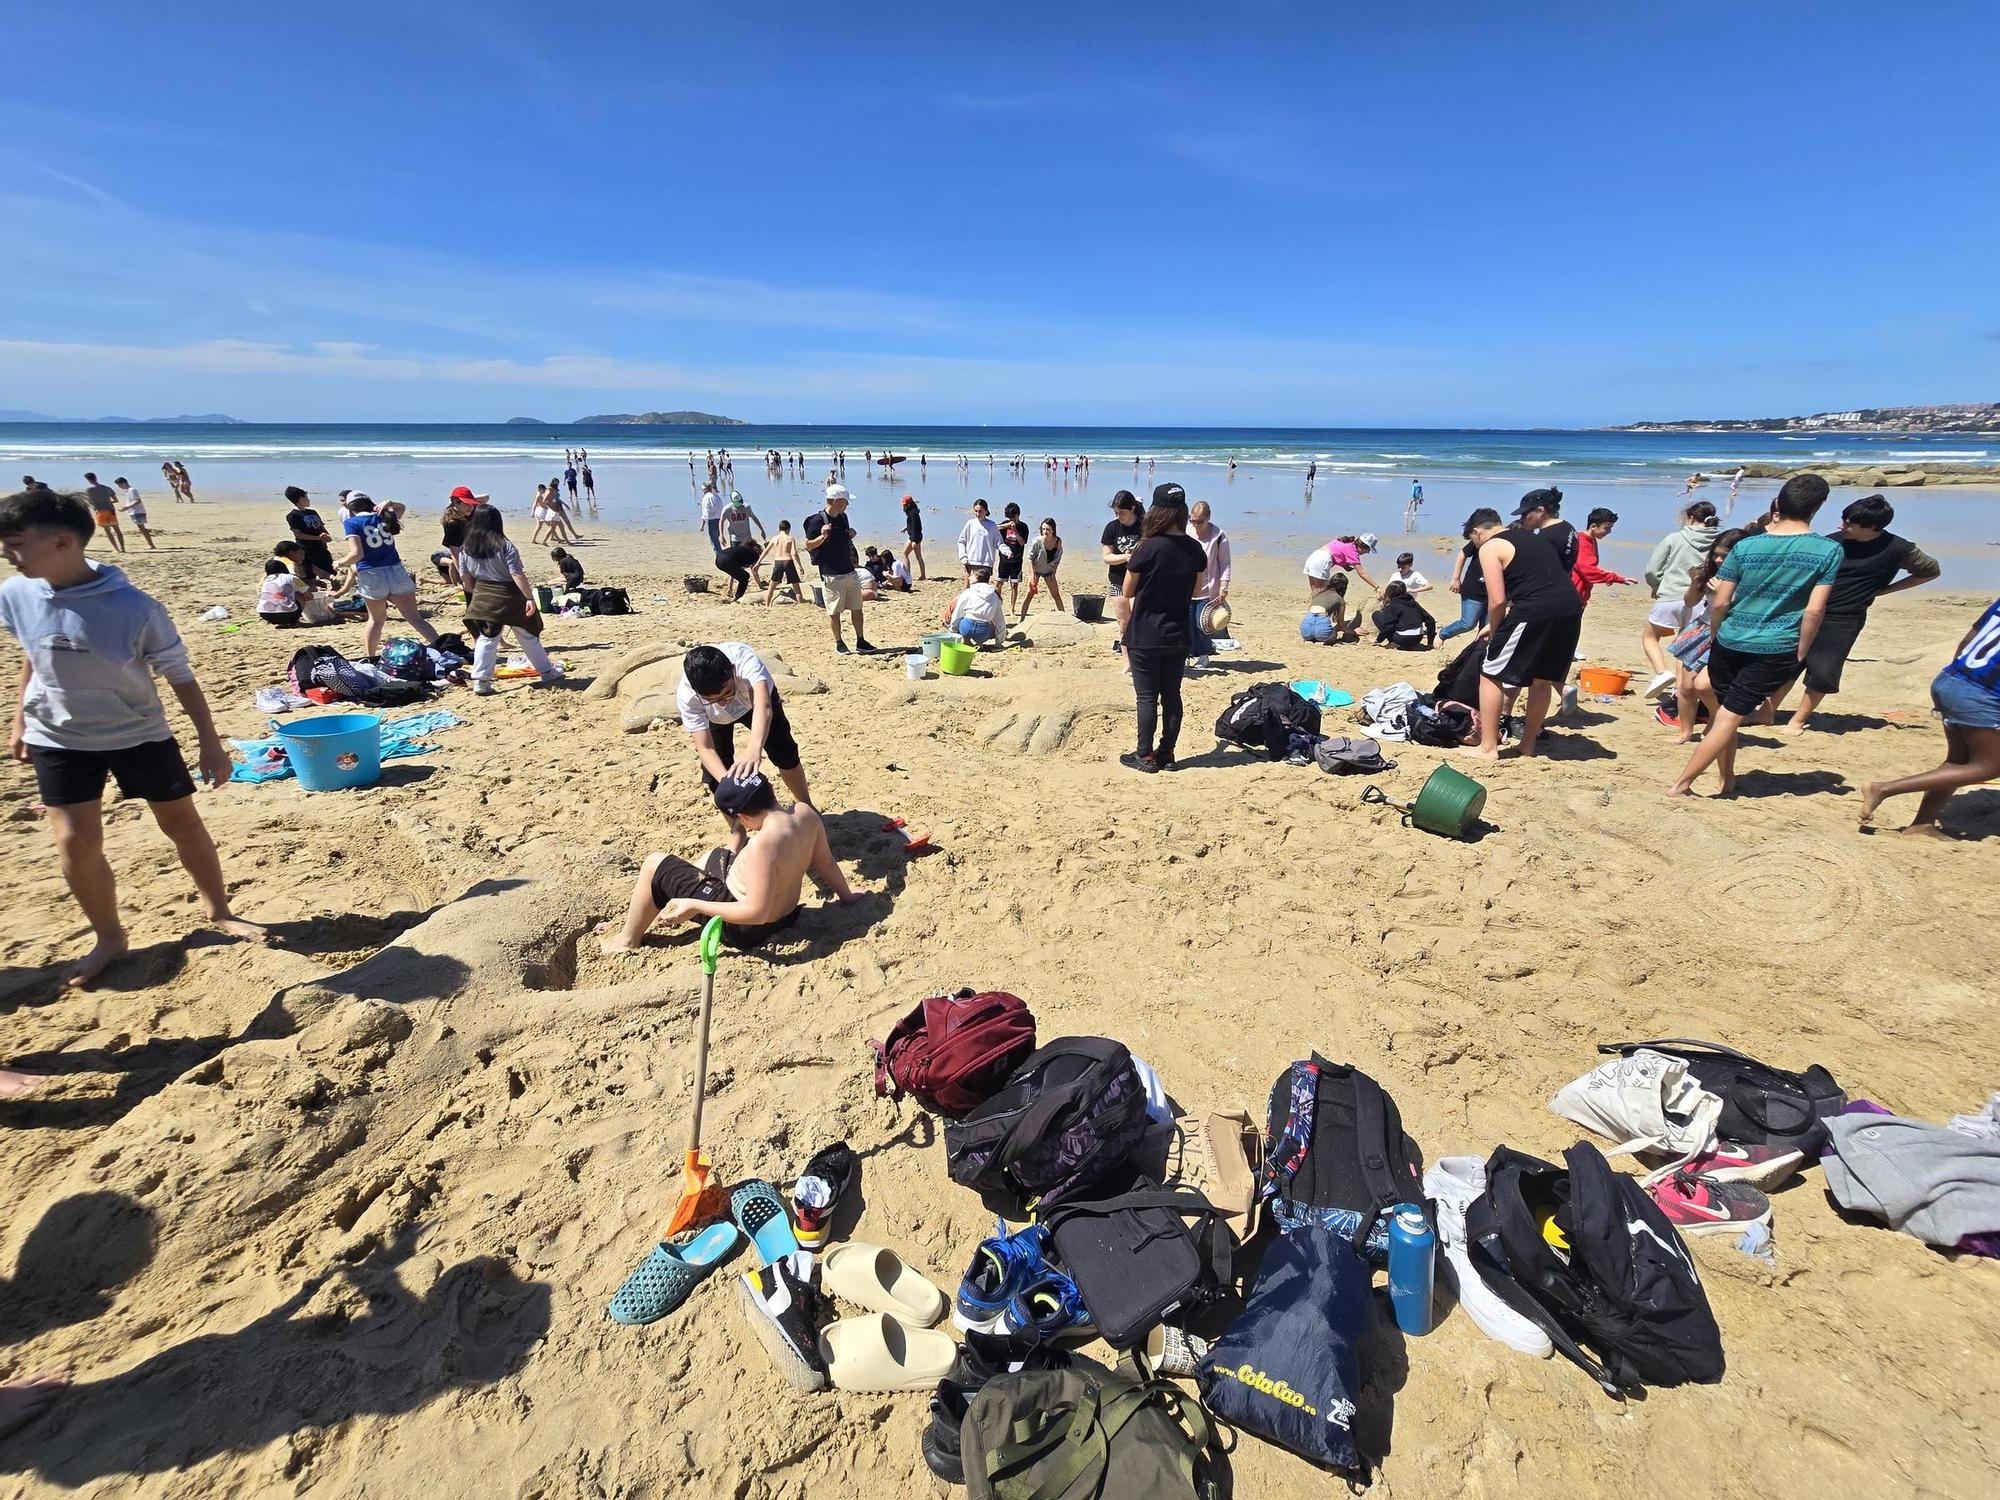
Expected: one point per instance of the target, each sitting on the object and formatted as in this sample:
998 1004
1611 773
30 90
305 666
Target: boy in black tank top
1534 621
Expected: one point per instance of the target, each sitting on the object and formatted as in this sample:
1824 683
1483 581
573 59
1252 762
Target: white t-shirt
981 601
902 572
711 510
278 595
1413 580
697 713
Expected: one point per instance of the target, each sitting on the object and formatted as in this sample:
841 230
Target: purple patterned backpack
1066 1119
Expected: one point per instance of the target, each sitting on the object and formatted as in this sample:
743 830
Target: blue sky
1271 214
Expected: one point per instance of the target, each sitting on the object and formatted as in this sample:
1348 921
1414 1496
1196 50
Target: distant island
524 422
1971 418
207 419
659 419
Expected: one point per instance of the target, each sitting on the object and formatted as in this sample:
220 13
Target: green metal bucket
1449 803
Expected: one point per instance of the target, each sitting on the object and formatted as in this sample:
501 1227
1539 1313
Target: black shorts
1829 652
319 557
785 572
153 772
676 880
1528 651
1742 680
282 618
778 744
1010 569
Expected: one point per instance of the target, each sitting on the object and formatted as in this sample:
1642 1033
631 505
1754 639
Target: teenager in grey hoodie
1676 557
87 710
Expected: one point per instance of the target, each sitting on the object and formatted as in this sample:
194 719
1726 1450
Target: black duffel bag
1762 1105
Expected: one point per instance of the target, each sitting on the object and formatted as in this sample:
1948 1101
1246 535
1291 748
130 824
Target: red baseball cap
462 493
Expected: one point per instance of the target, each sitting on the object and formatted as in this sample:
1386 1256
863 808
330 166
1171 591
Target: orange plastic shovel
701 1198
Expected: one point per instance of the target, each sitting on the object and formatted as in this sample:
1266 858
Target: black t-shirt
1121 537
1167 567
913 524
836 555
1537 582
305 523
1561 536
1471 579
1867 568
572 572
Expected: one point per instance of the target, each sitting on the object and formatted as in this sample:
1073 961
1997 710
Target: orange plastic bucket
1608 682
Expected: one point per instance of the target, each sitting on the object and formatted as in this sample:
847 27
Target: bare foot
1792 729
249 932
1727 788
14 1083
83 973
1925 830
23 1400
1478 752
1871 798
611 938
1679 793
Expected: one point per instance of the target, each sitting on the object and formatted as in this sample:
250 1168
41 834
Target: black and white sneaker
780 1307
980 1358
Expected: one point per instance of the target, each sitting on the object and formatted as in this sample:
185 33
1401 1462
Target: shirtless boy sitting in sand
755 892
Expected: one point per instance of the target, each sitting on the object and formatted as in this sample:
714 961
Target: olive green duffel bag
1088 1433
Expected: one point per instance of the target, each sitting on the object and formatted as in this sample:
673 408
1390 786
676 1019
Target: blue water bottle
1412 1268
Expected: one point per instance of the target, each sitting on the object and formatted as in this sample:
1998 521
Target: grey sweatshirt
94 648
1676 557
1924 1179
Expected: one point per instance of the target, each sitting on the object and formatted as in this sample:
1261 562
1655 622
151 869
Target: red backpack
953 1052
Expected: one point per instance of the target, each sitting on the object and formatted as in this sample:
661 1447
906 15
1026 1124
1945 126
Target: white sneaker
482 687
1658 685
1197 663
1452 1183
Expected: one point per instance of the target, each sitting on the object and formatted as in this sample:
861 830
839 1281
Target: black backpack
1265 717
1135 1258
605 601
1761 1105
1459 681
324 667
1338 1158
1627 1306
1065 1119
1442 725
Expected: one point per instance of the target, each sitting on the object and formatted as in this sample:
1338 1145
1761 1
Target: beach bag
1338 1158
1645 1101
408 659
605 601
1459 681
953 1051
1626 1305
1265 716
1762 1105
1066 1119
1389 706
324 667
1344 755
314 610
1088 1433
1288 1369
299 673
1316 627
1135 1259
1443 726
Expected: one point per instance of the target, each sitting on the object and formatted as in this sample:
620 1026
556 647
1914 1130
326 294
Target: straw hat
1215 618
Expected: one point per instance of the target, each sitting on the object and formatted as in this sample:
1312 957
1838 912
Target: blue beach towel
265 760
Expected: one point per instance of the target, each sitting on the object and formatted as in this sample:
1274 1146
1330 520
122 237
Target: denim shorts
1964 703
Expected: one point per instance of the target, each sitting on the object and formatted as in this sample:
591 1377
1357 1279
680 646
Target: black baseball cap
736 794
1170 495
1550 500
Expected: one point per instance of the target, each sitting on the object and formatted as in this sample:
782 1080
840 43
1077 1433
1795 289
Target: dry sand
342 1219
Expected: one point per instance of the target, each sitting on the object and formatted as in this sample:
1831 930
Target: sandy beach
341 1217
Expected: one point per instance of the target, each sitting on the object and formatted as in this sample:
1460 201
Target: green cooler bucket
1448 804
334 751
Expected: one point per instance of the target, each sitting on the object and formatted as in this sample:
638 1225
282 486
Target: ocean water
1364 475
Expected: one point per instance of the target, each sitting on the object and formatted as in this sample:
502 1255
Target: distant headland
1967 418
208 419
659 419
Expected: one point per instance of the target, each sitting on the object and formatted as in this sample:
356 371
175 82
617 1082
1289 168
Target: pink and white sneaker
1763 1167
1701 1205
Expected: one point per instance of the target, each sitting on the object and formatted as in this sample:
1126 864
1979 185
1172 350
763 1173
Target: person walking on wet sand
87 710
1967 695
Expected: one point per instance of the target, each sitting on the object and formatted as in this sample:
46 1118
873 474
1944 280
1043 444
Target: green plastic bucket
1449 803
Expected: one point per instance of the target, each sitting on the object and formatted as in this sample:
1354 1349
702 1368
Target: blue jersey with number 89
378 545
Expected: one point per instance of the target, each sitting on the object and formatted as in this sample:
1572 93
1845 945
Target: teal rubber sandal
663 1280
760 1212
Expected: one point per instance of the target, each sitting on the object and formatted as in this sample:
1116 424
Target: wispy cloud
76 184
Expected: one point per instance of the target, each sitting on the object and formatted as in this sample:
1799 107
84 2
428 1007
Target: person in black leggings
1160 579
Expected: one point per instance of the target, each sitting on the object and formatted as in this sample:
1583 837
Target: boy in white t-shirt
1407 575
977 614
